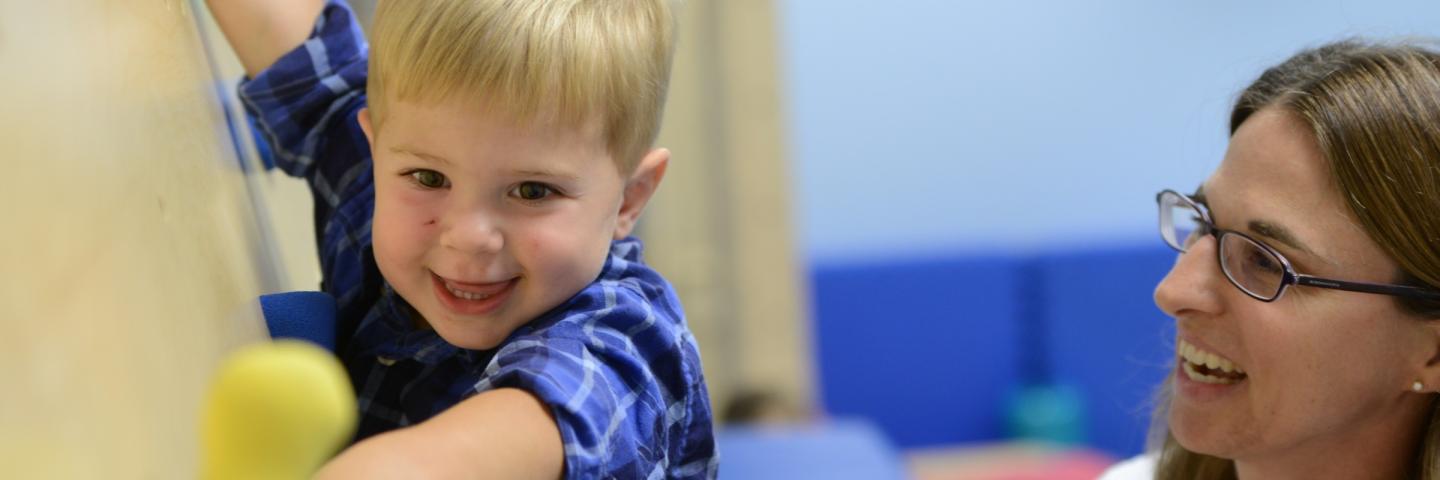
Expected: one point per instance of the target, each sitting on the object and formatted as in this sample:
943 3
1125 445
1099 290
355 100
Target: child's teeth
466 295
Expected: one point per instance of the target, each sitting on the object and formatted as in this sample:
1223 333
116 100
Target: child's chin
470 340
479 345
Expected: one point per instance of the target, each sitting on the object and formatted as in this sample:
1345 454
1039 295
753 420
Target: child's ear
638 189
364 118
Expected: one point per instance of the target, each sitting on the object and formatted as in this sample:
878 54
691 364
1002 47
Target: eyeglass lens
1251 267
1247 264
1179 222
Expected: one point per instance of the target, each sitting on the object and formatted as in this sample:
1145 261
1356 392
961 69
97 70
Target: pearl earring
1417 386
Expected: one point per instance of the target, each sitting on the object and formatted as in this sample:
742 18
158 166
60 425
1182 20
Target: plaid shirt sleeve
621 373
305 104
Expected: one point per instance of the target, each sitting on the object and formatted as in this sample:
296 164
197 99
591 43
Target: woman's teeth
1207 367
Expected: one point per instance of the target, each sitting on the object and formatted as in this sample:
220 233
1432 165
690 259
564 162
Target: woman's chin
1201 435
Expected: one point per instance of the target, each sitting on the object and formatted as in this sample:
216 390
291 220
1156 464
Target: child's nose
473 232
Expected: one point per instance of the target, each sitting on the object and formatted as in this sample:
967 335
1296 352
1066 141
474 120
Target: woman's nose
1192 281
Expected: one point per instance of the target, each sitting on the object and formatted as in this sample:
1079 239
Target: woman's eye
532 191
1264 262
429 178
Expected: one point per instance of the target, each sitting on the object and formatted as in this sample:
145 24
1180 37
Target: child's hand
261 31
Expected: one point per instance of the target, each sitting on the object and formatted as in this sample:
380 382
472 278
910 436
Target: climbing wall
130 246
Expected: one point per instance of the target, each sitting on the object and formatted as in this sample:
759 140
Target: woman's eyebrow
1276 232
1265 228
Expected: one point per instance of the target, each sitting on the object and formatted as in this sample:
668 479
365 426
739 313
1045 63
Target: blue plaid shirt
615 363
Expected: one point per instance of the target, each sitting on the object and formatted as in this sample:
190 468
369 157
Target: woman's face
1325 371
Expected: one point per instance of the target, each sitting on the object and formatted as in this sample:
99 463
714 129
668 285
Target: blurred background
914 238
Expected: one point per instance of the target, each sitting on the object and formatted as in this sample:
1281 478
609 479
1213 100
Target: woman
1305 295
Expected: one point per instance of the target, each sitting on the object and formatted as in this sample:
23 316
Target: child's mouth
466 294
471 298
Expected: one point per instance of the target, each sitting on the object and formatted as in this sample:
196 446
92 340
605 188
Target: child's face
483 224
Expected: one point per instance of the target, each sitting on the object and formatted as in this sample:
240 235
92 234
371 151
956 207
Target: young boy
474 194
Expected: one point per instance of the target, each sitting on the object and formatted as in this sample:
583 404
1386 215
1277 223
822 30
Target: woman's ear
639 188
1429 375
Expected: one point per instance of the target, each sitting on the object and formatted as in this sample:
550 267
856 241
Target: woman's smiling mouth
1207 367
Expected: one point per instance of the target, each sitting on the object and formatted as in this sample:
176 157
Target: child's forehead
495 112
471 134
485 119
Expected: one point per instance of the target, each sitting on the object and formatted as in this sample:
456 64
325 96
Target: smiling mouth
1207 367
472 298
467 294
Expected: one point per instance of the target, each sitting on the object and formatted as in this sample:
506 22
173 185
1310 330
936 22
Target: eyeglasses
1253 267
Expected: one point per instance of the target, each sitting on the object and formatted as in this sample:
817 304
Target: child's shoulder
628 299
618 349
628 311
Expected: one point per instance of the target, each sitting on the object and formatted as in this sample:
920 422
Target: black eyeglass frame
1290 276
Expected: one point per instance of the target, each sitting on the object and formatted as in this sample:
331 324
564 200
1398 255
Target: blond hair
1374 111
569 61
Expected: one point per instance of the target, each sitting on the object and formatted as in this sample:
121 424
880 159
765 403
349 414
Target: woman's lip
1203 346
1225 362
1196 391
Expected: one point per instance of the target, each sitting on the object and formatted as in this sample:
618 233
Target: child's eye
429 178
532 191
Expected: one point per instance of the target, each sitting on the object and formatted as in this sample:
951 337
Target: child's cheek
406 223
572 252
418 207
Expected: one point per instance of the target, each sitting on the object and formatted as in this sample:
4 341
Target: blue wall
922 126
975 188
924 348
934 350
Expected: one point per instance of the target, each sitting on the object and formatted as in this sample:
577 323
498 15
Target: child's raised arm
502 433
260 31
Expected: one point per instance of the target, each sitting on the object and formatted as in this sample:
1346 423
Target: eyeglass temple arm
1397 290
